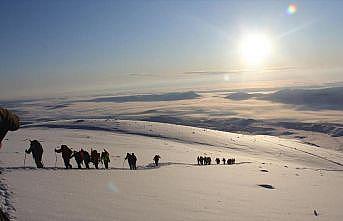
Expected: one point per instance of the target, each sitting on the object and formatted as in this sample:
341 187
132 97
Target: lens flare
292 9
112 187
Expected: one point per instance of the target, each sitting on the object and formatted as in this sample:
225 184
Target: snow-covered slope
269 147
305 178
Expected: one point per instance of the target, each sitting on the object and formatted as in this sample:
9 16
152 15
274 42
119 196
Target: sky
50 47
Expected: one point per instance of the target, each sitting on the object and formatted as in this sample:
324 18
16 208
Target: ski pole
55 159
25 160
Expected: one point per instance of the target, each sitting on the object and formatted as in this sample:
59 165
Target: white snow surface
305 178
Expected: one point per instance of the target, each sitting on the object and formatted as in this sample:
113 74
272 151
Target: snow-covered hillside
305 178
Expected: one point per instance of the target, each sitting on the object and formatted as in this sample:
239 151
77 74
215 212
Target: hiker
78 158
156 159
207 160
66 155
86 158
134 161
217 160
95 157
37 152
224 161
8 122
105 158
229 161
129 160
198 159
201 160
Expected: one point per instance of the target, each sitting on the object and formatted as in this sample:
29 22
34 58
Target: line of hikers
207 160
132 160
204 160
81 157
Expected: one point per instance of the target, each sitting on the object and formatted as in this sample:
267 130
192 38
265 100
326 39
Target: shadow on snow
145 167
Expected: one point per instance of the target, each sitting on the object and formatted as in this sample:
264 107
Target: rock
267 186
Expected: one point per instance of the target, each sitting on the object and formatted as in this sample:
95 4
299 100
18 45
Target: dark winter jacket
86 156
36 149
105 156
78 156
66 151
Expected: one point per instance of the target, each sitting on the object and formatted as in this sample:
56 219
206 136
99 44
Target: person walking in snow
78 155
206 161
198 159
95 158
66 155
86 158
105 158
224 161
129 160
201 160
134 161
37 151
217 160
231 161
156 159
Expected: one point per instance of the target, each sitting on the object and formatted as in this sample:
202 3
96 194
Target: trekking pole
123 163
43 160
25 161
55 159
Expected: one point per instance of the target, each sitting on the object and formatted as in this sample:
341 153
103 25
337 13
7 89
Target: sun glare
255 49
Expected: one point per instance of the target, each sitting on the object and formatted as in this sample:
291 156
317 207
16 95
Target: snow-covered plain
305 178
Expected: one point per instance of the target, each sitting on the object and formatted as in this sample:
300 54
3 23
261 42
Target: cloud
174 96
241 71
139 74
211 72
315 99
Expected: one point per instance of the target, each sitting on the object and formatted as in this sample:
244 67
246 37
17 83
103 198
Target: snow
305 178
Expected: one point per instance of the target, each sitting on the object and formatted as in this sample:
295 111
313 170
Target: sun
255 49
